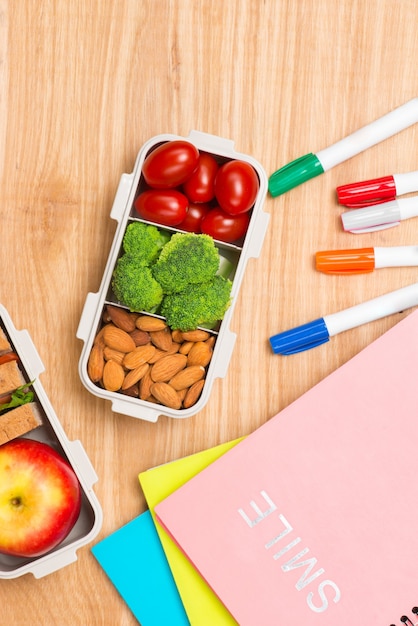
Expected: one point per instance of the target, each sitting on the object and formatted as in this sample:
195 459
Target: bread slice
10 377
4 343
19 421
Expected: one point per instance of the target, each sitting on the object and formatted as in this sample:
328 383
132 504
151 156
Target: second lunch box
40 424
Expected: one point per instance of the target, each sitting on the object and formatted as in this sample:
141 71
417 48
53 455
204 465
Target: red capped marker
377 190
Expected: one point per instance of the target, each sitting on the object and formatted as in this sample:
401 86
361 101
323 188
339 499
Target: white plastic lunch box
124 213
50 432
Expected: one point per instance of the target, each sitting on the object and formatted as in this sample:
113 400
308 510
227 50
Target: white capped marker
310 165
380 216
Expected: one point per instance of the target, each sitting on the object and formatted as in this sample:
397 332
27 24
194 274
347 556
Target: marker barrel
393 302
371 134
396 256
406 182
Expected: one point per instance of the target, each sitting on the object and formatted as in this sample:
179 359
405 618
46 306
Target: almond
149 323
193 394
113 355
158 354
133 376
200 354
121 318
113 376
211 341
196 335
105 316
177 336
153 400
140 337
165 394
137 356
133 391
167 366
96 363
182 394
118 339
187 377
162 339
186 346
99 337
145 386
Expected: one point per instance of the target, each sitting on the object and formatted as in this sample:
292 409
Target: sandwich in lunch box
19 414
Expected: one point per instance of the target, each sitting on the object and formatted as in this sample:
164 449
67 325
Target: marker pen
364 260
320 330
380 216
311 165
377 190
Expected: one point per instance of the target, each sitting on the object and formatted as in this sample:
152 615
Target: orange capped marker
364 260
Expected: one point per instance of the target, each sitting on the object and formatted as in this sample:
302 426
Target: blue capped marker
320 330
310 165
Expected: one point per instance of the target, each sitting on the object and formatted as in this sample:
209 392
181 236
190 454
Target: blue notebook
135 562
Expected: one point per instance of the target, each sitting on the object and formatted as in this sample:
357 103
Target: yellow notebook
202 606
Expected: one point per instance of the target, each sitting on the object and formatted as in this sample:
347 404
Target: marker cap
367 192
370 219
359 261
300 338
295 173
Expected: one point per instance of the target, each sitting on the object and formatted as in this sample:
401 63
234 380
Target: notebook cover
201 604
134 560
312 518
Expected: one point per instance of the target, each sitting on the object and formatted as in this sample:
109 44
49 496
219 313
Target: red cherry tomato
236 187
170 165
223 226
195 214
200 186
164 206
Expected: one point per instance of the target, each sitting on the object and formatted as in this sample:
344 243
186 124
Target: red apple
40 498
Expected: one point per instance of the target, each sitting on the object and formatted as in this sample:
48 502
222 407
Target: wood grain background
83 84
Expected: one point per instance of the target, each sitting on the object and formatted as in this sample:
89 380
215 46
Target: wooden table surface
83 84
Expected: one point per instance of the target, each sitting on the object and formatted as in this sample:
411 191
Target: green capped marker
310 165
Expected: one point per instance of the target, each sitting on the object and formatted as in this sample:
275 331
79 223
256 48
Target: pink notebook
312 519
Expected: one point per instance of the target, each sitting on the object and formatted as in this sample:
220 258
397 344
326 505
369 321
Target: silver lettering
260 514
309 564
289 546
324 605
303 580
288 529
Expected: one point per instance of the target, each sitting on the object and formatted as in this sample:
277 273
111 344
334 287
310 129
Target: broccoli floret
198 305
144 241
134 285
186 259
